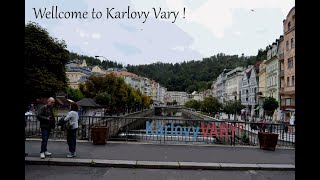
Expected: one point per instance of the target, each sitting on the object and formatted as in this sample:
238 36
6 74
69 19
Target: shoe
42 156
71 155
47 153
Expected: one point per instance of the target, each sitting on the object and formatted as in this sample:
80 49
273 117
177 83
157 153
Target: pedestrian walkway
161 156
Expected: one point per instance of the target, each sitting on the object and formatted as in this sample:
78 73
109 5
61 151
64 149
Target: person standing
47 123
72 119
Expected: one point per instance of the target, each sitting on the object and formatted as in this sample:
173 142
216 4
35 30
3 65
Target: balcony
281 56
281 73
281 91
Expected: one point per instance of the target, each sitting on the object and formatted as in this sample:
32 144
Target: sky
168 31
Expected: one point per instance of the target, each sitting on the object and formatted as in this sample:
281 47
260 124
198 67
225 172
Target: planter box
267 140
99 135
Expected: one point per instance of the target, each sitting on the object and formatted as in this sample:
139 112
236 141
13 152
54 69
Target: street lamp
102 57
235 107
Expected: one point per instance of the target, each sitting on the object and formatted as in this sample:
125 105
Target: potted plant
99 134
268 140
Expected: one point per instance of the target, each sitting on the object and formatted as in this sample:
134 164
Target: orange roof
124 73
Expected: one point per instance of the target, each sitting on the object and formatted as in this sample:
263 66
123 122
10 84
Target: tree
74 94
45 60
193 104
103 98
269 105
193 75
228 108
211 105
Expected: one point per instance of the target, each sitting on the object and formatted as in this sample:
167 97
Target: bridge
169 125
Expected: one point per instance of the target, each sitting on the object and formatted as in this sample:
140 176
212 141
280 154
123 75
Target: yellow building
262 86
74 78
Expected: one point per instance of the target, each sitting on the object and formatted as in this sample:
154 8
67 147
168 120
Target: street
36 172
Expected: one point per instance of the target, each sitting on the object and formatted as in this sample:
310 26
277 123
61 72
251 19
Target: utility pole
235 107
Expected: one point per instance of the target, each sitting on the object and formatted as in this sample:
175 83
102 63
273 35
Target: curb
146 143
156 164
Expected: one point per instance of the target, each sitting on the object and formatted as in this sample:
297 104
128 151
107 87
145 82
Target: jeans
45 132
71 139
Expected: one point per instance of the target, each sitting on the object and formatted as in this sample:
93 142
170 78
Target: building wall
245 86
262 79
272 78
289 58
73 78
233 84
97 69
179 96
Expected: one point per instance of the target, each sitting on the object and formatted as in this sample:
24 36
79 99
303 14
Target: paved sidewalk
162 156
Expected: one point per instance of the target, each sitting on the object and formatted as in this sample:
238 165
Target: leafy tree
229 107
103 98
211 105
194 75
74 94
269 105
93 61
146 100
193 104
44 67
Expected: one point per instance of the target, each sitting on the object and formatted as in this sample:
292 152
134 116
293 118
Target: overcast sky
206 28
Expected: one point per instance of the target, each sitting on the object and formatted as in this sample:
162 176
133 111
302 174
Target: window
287 45
292 44
290 63
292 83
288 80
289 26
288 101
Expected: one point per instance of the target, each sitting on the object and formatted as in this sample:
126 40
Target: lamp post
102 57
235 107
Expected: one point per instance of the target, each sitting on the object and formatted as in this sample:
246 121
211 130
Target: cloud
126 48
96 35
210 27
237 33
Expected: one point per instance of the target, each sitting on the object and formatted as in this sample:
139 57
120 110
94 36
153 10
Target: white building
179 96
220 86
233 83
161 93
249 89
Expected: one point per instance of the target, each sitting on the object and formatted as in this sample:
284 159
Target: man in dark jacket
47 123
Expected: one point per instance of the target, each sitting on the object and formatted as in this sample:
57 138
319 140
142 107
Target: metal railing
172 130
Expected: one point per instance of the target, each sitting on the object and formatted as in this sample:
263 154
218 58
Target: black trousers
71 139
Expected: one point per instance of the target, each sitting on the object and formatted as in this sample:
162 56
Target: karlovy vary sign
207 131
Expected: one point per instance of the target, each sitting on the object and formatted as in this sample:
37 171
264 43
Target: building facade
249 89
220 86
233 83
287 60
262 87
179 96
272 71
